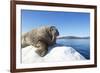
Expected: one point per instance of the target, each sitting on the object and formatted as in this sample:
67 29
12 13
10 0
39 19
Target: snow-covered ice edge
56 54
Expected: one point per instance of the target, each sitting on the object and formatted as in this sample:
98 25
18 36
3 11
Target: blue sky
68 23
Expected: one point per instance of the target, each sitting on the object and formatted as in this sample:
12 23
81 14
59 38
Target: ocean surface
80 45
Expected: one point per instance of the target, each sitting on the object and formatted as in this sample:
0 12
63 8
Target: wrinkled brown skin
40 38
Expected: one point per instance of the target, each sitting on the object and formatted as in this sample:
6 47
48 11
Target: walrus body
40 38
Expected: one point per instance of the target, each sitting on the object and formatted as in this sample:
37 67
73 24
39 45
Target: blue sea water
80 45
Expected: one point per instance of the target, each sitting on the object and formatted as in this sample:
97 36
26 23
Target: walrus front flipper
42 48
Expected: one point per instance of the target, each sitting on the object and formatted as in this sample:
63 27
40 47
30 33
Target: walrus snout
57 33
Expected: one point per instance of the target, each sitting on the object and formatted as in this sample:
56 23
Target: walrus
41 38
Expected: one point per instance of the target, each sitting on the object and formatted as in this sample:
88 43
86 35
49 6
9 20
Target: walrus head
53 31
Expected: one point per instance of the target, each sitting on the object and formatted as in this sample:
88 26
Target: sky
67 23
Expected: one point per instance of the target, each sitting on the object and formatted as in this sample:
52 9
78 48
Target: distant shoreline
72 37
